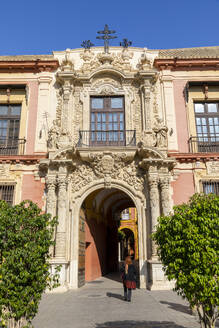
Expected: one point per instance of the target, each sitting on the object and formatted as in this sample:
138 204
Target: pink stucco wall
32 117
181 118
183 188
95 253
32 189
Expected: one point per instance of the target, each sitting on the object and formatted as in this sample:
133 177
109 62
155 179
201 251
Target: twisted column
60 247
51 195
165 194
154 205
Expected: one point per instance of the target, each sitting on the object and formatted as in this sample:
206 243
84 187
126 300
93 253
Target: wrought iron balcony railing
12 146
96 138
204 144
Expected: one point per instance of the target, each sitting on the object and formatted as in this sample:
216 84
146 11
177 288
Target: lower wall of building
32 189
183 188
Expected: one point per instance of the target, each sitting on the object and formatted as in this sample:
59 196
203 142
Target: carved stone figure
146 61
161 133
53 136
67 64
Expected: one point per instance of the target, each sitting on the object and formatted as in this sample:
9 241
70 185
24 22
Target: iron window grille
7 193
210 186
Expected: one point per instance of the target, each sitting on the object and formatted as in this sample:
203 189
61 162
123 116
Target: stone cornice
175 64
26 159
158 162
35 66
194 157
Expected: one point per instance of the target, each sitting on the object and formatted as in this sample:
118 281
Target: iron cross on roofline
106 37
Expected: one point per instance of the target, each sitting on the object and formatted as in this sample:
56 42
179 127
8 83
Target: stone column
165 194
51 200
155 207
60 247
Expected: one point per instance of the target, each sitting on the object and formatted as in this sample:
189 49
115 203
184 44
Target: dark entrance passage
101 213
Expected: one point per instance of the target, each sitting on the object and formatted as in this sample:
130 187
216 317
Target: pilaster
44 82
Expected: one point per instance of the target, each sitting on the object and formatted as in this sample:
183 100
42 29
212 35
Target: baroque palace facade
88 133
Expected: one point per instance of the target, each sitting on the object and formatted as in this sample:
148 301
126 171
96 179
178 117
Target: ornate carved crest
108 166
213 168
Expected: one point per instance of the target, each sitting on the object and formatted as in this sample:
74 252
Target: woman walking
128 278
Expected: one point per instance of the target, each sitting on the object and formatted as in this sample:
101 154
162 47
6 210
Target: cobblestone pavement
100 304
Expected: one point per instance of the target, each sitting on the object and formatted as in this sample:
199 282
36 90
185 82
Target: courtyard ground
99 304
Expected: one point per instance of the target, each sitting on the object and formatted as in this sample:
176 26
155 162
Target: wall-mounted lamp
171 132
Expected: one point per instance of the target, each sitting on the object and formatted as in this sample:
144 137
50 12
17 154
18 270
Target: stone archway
132 199
73 174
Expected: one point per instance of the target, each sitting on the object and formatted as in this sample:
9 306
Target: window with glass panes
207 125
107 120
9 123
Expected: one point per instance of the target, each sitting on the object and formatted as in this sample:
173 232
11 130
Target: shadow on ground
138 324
178 307
118 296
115 276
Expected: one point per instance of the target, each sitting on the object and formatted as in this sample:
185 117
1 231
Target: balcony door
207 126
9 128
107 121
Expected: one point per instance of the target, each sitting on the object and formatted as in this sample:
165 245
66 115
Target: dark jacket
131 275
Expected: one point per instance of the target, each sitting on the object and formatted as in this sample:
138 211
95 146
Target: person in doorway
128 278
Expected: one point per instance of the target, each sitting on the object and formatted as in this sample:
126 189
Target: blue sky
39 27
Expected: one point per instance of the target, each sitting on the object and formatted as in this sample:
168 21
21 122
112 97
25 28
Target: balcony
111 138
10 147
204 144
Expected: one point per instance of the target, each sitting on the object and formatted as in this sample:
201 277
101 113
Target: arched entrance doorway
99 226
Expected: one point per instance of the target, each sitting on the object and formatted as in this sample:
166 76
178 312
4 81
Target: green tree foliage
25 239
188 246
121 235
